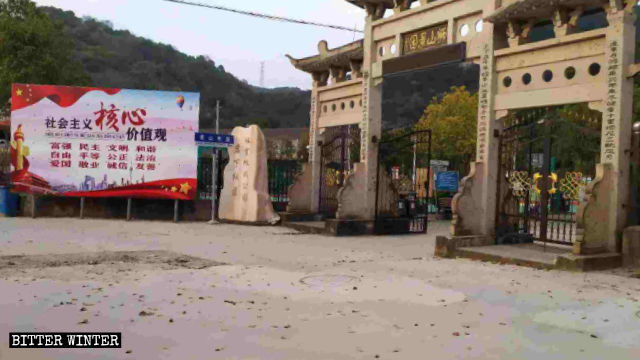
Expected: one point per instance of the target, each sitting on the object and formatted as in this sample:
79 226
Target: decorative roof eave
524 10
340 57
362 3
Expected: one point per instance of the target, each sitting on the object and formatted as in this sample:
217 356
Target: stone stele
245 196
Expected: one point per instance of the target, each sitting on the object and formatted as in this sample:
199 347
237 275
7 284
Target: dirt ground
199 291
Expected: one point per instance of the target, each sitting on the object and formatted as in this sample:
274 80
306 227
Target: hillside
117 58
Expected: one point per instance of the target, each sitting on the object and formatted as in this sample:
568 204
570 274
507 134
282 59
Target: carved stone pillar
314 149
474 206
371 123
603 215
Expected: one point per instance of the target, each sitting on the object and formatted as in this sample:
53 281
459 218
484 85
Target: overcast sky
238 42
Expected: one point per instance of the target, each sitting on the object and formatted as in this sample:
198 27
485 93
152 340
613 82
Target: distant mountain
117 58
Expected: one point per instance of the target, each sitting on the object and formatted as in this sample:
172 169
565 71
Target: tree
34 49
453 122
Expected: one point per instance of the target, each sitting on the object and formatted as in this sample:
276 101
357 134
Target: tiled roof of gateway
338 57
361 3
532 9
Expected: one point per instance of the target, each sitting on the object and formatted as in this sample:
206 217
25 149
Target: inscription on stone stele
245 195
425 38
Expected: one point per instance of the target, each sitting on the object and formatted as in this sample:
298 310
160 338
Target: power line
263 16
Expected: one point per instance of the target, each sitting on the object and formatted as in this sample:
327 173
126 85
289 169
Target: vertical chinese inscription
364 124
240 152
483 102
312 128
614 63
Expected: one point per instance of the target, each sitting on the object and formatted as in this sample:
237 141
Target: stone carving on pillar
299 193
401 5
518 34
350 204
464 206
320 78
596 105
338 74
350 194
565 22
356 69
593 213
376 11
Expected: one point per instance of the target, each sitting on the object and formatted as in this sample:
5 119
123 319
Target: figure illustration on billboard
21 177
180 101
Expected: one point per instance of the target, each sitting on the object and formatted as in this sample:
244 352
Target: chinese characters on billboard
99 142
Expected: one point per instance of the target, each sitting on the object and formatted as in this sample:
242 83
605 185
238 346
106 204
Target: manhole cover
329 280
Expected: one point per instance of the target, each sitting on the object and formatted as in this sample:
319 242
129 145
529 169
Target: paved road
283 295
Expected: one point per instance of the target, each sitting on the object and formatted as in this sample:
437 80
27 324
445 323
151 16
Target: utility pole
214 171
262 74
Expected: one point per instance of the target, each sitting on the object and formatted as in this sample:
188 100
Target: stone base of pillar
300 191
466 206
631 246
352 193
593 217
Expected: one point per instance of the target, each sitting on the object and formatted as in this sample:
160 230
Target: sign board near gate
447 181
214 140
103 142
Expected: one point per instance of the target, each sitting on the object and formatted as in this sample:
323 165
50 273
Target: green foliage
34 49
117 58
576 138
453 122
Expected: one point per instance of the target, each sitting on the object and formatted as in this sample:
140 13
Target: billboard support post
33 206
82 207
214 171
175 210
129 200
214 186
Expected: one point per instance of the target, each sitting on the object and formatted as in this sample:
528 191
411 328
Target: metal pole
33 206
176 204
214 186
82 207
128 209
217 116
214 171
413 177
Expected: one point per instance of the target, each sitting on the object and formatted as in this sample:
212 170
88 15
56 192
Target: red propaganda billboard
103 142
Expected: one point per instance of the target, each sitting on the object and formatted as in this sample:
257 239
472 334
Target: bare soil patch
166 259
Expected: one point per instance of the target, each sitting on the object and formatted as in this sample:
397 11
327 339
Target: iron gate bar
547 214
336 153
416 139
